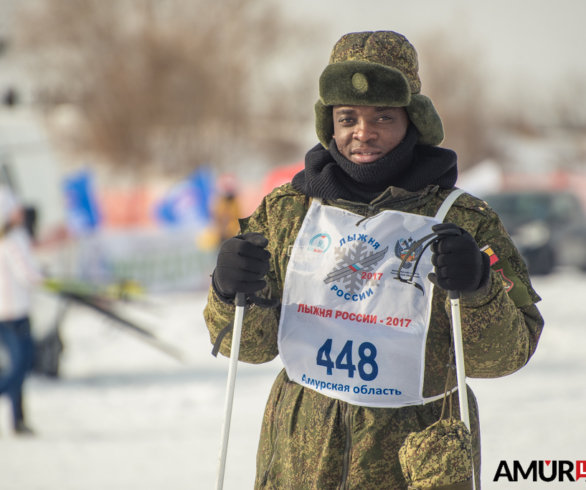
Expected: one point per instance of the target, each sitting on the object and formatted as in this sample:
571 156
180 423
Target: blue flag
188 202
81 207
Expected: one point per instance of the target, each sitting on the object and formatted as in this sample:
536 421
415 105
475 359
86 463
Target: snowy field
124 416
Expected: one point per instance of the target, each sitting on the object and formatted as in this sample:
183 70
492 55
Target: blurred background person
226 210
18 274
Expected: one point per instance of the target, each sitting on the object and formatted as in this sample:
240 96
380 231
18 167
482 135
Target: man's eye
345 120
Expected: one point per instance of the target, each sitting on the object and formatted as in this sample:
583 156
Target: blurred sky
7 8
527 47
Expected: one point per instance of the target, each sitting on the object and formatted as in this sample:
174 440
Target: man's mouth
365 155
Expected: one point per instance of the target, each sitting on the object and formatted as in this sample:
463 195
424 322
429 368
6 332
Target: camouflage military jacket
310 441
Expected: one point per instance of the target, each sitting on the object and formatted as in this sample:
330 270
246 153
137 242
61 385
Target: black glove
459 263
241 265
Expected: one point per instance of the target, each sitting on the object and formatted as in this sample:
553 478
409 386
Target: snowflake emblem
352 262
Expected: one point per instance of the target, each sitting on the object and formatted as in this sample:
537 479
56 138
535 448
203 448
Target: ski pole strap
225 331
451 368
436 236
250 299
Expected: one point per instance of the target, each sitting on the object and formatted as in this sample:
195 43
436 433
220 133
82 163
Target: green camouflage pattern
383 47
304 434
310 441
438 455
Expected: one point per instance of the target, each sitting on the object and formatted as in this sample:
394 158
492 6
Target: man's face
364 134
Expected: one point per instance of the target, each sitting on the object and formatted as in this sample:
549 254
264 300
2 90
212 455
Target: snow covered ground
125 416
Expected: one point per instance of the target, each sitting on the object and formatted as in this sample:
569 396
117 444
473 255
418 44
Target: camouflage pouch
439 457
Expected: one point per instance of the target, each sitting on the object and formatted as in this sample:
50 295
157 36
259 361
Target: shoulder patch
512 283
507 283
496 245
488 251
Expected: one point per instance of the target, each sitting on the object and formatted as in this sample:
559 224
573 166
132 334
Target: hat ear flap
426 119
324 123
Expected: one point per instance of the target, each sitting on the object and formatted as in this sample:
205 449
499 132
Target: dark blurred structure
10 98
548 227
30 221
3 45
48 351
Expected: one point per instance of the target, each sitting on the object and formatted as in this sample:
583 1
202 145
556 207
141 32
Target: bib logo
402 253
320 243
355 267
402 247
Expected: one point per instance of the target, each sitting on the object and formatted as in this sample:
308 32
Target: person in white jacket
18 275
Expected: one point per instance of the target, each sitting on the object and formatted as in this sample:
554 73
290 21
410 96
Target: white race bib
349 328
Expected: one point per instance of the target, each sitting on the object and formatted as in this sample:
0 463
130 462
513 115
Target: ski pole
460 368
240 302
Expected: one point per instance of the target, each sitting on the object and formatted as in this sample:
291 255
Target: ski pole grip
453 294
240 299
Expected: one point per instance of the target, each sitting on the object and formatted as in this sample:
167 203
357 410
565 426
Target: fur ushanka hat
375 69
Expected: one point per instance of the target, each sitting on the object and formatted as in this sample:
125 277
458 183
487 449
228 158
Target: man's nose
364 132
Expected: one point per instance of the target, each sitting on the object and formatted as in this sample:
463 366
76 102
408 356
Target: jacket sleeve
260 327
21 262
501 325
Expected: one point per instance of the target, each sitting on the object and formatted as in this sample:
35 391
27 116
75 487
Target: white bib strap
447 204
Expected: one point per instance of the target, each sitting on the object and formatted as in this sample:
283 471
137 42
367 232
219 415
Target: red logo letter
580 469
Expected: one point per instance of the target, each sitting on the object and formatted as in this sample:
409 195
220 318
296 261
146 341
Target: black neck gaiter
330 175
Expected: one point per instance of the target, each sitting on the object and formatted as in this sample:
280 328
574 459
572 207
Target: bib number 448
344 359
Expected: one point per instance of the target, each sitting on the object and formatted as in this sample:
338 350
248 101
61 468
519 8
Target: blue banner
81 207
188 202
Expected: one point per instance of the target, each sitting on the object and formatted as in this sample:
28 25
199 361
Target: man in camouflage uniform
378 152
